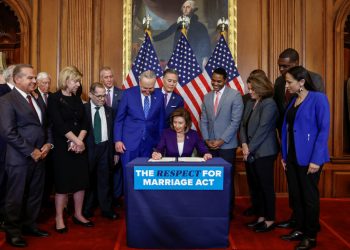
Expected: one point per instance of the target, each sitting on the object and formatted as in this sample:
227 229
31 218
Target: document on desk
190 159
164 159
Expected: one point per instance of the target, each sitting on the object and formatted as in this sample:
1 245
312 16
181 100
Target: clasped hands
40 154
313 168
214 144
77 147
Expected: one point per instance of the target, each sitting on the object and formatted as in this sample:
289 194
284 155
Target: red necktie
216 102
32 105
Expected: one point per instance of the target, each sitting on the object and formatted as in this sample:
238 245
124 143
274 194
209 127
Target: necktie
32 105
45 99
108 98
146 106
165 99
97 126
216 102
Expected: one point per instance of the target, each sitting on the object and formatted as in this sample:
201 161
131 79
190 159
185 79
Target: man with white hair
140 119
43 89
197 33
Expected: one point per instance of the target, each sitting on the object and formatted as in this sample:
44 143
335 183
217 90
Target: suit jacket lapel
211 102
26 105
222 99
108 119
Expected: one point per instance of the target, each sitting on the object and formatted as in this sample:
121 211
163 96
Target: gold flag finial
223 25
184 21
147 24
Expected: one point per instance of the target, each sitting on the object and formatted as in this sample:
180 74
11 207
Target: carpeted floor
110 235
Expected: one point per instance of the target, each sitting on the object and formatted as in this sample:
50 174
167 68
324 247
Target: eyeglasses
99 96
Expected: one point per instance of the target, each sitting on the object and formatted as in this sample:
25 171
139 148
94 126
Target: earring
301 89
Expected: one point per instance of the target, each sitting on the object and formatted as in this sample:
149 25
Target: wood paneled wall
89 34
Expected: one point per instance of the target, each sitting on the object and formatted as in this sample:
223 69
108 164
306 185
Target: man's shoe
255 224
294 235
110 215
249 211
306 243
287 224
263 228
35 232
16 241
2 226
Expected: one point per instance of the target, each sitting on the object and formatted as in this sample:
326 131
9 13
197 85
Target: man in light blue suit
222 110
172 100
140 119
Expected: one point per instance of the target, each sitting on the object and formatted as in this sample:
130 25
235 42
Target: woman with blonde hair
70 125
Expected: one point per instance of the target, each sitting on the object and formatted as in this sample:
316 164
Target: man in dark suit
4 89
43 90
43 80
172 100
100 152
113 97
288 59
28 142
140 119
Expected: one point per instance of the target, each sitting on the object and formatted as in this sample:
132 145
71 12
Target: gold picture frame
128 32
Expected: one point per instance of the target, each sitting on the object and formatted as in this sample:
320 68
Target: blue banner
178 178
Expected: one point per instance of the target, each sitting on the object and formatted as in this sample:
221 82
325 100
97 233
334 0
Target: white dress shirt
36 106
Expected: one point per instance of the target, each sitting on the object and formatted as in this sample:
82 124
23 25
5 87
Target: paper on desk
190 159
164 159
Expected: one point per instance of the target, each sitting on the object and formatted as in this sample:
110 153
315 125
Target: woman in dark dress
70 159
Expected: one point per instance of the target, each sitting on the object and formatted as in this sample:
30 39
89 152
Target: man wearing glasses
100 152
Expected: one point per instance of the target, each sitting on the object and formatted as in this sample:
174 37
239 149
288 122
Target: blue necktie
146 106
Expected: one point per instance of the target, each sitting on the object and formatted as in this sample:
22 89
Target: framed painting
202 35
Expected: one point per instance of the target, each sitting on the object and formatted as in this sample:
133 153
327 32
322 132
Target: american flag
192 84
146 59
222 57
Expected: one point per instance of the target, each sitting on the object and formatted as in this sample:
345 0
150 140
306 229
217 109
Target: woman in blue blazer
304 151
179 140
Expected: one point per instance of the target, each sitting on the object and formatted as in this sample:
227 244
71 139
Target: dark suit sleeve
268 118
242 128
8 129
318 82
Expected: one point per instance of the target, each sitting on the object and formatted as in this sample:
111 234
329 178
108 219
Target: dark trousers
99 173
118 180
228 155
25 187
263 196
49 179
303 190
3 179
